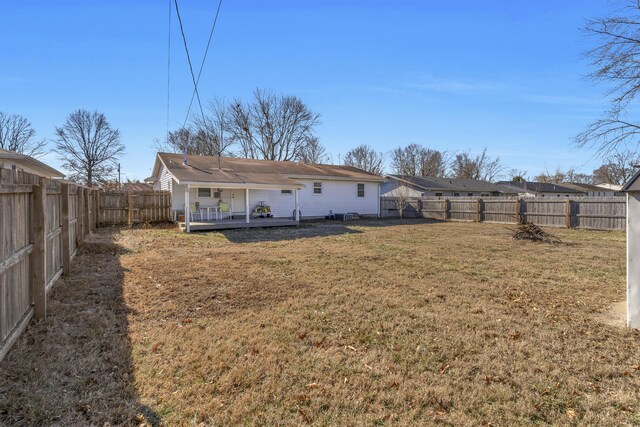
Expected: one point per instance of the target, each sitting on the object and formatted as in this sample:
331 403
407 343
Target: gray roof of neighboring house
239 170
585 187
429 183
36 165
540 187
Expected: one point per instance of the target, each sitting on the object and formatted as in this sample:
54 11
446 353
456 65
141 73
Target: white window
317 188
204 192
360 190
286 191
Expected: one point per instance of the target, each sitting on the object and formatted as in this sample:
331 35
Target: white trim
336 178
187 210
379 194
242 186
246 198
314 188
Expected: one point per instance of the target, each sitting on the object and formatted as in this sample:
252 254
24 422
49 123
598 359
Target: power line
204 58
186 48
168 71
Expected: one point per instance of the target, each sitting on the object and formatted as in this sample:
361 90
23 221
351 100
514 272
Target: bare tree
17 134
560 176
178 141
366 158
433 163
313 152
407 160
516 175
271 127
481 166
205 136
415 160
552 177
401 197
212 136
615 62
88 146
617 168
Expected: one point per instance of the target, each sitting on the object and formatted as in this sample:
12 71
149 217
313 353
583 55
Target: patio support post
296 216
246 202
187 210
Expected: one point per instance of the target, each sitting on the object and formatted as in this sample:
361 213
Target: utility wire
193 77
204 58
168 72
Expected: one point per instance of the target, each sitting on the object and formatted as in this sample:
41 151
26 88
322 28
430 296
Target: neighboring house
244 184
540 189
426 186
594 190
614 187
21 162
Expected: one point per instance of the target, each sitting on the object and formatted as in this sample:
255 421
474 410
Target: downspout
379 195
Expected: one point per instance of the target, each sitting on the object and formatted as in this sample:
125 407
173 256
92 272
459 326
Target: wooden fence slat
65 244
37 260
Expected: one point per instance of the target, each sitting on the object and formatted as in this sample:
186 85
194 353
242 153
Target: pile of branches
529 231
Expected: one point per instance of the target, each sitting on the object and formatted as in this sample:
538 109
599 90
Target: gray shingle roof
541 187
430 183
240 170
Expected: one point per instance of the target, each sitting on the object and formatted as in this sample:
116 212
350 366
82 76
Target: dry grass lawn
372 323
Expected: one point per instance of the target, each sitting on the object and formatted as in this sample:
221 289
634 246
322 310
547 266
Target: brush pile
529 231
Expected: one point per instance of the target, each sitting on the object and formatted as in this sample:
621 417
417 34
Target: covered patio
228 215
226 224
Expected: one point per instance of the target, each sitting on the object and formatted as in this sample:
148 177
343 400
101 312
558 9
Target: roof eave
243 185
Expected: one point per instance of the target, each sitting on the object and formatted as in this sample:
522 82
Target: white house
21 162
230 189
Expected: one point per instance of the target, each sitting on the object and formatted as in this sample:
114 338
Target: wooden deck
227 224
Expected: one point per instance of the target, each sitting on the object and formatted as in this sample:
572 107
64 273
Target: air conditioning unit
344 217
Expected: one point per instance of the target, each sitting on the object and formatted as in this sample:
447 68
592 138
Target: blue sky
451 75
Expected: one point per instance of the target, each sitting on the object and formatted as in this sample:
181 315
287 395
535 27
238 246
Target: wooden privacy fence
122 208
388 208
42 224
596 213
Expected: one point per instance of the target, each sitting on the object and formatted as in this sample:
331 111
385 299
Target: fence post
479 209
567 214
447 213
518 210
129 209
37 257
64 240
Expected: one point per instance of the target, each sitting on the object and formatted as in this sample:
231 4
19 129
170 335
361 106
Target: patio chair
224 208
194 211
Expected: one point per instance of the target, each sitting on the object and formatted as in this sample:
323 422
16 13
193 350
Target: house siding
338 196
166 180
